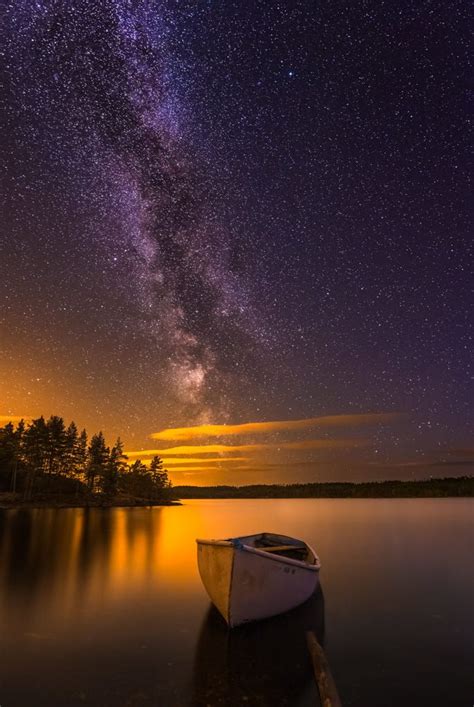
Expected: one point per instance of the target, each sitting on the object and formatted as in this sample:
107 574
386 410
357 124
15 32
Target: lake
105 607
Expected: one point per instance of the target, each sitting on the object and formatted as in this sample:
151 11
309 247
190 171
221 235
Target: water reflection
105 607
264 663
60 558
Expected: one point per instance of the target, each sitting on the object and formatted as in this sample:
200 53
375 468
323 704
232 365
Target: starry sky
251 214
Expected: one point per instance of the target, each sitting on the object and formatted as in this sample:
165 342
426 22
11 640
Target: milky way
237 211
105 98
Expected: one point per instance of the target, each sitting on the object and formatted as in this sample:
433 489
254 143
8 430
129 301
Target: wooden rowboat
257 576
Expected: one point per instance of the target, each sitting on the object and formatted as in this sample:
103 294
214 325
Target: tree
111 472
98 455
138 468
8 454
159 475
70 445
80 455
56 444
18 436
138 481
36 448
58 460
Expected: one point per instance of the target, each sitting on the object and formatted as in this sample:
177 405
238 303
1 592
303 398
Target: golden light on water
83 591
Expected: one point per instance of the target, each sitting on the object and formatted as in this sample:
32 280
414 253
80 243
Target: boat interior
280 545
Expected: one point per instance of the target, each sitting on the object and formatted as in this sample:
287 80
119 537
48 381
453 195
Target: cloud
193 470
206 460
237 448
5 419
249 428
447 457
461 452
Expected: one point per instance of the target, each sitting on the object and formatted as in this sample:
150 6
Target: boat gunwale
225 543
267 555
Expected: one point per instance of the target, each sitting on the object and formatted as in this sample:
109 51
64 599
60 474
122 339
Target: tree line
425 488
46 457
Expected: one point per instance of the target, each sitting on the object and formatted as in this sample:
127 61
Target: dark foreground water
105 607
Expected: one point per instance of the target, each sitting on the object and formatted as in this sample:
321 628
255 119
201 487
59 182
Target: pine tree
8 455
138 468
98 455
118 454
71 441
18 452
19 432
159 475
111 471
140 480
36 448
56 444
80 455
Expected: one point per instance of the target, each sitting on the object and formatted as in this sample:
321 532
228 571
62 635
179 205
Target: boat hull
215 563
246 584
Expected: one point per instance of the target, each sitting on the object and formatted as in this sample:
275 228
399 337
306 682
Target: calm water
106 607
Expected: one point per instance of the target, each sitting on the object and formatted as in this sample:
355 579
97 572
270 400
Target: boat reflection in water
261 663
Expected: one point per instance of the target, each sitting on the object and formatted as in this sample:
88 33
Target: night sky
232 212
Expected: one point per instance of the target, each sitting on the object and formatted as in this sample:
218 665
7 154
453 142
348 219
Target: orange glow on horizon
201 460
5 419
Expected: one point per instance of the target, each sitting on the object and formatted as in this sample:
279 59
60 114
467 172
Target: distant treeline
46 460
433 488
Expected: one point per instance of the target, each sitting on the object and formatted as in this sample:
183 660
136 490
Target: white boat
257 576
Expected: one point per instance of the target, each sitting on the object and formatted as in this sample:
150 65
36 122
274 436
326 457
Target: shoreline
51 503
38 505
447 487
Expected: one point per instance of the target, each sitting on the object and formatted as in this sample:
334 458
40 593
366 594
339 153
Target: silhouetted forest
46 461
449 487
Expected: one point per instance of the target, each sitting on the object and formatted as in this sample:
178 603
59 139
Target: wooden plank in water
322 672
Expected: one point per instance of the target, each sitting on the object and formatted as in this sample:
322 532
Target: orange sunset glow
277 449
267 451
